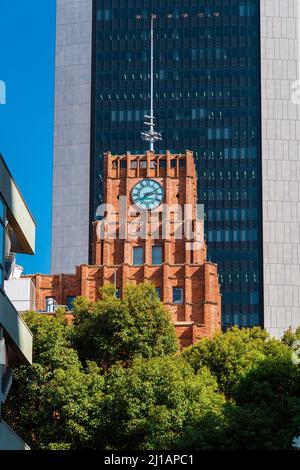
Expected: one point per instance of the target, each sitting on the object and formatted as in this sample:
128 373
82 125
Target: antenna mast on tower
151 135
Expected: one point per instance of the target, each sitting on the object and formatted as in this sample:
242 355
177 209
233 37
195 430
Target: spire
151 135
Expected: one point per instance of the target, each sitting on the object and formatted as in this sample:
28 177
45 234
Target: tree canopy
112 329
261 383
148 405
51 402
115 379
232 355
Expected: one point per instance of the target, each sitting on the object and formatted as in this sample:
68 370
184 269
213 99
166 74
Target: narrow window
138 256
50 304
177 295
158 291
157 255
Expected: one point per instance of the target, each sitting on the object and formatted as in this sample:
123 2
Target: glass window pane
157 255
138 255
177 295
70 300
50 304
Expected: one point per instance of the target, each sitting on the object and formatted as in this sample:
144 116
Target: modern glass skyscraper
223 69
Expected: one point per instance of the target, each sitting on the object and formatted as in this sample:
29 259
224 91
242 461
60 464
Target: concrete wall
21 293
70 224
281 164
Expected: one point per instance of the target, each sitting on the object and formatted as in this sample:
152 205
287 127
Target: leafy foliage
51 402
232 355
291 336
114 330
147 405
262 386
238 390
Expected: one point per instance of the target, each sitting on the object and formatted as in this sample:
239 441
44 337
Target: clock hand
149 194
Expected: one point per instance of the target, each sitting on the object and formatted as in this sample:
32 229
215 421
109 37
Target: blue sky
27 41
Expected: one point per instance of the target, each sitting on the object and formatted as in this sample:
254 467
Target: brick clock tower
149 231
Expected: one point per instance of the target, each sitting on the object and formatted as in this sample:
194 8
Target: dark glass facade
207 99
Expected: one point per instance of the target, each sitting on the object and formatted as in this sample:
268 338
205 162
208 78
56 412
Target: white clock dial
147 194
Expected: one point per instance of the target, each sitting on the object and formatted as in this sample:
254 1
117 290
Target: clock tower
158 237
149 229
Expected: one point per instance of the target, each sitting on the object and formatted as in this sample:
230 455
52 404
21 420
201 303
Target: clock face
147 194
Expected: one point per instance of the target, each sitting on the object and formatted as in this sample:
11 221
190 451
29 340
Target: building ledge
187 323
16 332
18 214
9 440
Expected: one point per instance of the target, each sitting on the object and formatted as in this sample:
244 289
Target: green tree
238 390
230 356
51 402
263 389
271 392
147 405
112 330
